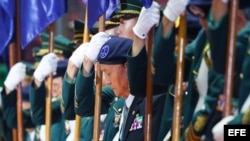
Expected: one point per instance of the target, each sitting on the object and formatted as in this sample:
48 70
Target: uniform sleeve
10 111
38 103
217 36
67 102
85 96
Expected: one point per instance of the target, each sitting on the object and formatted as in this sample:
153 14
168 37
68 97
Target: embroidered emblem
104 52
137 124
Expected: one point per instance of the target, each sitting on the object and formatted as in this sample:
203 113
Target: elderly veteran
111 52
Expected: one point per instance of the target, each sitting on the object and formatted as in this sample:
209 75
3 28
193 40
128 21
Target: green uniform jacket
219 32
37 100
193 56
84 104
68 110
10 114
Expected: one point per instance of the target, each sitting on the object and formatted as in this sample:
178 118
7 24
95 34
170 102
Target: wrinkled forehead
110 68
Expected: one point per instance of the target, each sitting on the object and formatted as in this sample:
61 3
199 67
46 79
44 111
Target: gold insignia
170 90
133 113
246 117
241 75
76 104
200 122
152 69
195 72
207 60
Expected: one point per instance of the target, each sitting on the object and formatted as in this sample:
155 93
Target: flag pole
230 57
48 114
149 89
16 51
179 79
85 40
98 96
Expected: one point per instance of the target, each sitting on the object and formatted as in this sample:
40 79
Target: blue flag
147 3
6 23
96 8
113 4
36 15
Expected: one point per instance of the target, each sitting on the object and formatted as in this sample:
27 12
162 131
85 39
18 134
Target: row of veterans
122 55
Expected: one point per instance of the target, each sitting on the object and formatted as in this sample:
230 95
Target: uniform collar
129 100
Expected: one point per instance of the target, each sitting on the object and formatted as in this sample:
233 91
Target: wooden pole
48 114
149 89
85 39
229 78
12 60
179 79
98 96
16 51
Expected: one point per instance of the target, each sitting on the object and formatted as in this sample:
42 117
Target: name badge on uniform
137 123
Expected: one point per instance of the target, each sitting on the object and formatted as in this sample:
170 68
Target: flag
6 23
96 8
36 15
147 3
113 4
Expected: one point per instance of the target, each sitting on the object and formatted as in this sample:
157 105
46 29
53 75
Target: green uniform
37 100
193 57
10 114
84 104
68 109
219 32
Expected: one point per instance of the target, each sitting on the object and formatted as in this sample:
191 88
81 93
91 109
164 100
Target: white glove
95 44
47 66
218 129
147 19
77 57
16 75
174 8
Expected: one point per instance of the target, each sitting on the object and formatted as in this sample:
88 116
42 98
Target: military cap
114 51
199 8
25 93
130 8
62 46
61 68
78 32
112 22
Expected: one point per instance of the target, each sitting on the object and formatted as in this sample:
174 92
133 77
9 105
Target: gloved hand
47 65
16 75
77 57
95 44
218 129
147 19
174 8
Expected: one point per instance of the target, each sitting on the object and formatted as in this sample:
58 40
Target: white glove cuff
38 76
9 85
170 14
138 33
